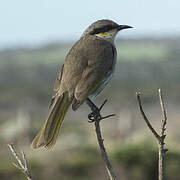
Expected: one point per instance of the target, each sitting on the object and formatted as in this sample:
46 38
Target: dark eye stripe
103 29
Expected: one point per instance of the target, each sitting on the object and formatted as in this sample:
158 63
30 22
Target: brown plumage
88 67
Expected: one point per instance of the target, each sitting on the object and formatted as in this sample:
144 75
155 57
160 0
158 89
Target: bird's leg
95 114
91 105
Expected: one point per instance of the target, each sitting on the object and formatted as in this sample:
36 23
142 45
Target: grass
141 52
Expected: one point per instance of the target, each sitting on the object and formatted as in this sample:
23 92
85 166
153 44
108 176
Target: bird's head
106 29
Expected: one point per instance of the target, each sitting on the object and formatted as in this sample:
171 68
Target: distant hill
129 49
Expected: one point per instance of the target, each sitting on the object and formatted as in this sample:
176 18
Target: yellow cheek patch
103 34
109 34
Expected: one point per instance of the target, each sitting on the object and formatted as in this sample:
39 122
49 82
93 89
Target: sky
32 22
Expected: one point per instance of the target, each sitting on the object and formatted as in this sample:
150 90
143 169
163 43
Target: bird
87 69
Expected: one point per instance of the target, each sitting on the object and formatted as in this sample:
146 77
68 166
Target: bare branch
162 150
160 138
23 166
145 117
164 120
95 117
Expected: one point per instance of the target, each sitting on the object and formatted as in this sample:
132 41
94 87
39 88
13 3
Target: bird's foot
95 114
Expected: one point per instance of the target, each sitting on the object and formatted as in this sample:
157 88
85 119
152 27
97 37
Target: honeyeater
88 67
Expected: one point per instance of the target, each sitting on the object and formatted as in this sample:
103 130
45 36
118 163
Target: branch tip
138 93
20 165
162 136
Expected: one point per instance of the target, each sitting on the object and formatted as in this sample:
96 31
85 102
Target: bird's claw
95 115
91 118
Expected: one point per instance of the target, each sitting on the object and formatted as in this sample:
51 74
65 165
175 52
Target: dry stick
21 166
162 150
96 118
103 151
160 138
145 117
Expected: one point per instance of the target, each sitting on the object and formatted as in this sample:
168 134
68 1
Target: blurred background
35 37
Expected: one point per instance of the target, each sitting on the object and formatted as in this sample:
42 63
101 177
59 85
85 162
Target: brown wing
89 82
100 58
57 85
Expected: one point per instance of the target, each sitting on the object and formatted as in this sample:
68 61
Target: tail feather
49 132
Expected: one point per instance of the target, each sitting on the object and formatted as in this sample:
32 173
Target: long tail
48 134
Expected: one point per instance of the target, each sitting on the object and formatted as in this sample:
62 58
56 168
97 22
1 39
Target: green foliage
142 52
172 165
138 161
81 162
141 162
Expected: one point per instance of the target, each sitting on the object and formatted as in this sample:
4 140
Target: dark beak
120 27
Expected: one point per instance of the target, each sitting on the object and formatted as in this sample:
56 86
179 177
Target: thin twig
164 120
161 137
23 166
145 117
96 118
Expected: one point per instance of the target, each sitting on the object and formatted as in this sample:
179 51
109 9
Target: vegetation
27 76
135 161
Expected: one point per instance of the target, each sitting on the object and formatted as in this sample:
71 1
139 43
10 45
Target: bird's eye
107 28
102 29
